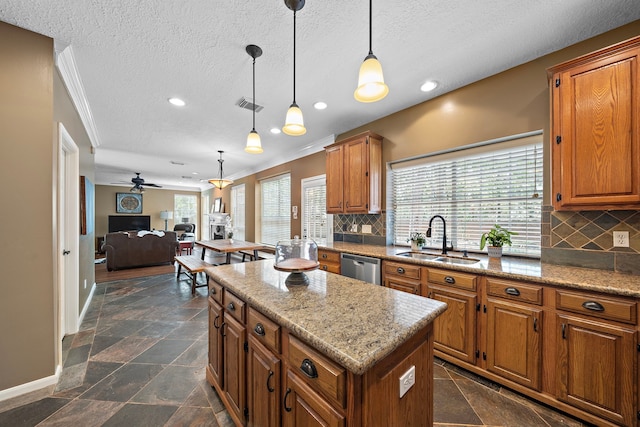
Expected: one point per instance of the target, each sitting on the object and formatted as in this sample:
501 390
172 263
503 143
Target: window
276 208
315 221
204 202
238 211
185 208
473 189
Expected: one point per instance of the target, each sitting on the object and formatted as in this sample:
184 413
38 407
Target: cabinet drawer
451 278
528 293
234 306
330 267
318 371
215 291
264 330
325 256
611 308
408 271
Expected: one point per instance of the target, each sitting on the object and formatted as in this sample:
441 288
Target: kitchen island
337 351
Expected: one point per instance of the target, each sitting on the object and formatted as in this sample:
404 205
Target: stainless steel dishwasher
360 267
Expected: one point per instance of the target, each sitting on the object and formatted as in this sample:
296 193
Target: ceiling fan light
294 122
254 145
371 86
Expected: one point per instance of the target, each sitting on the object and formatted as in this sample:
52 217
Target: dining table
228 246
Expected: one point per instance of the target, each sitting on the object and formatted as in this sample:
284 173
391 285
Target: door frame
68 235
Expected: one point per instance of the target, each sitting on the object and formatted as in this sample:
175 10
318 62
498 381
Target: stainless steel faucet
444 233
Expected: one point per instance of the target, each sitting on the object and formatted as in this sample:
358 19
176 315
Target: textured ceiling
133 55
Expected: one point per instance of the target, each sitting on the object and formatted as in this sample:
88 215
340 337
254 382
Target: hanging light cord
254 94
294 56
370 27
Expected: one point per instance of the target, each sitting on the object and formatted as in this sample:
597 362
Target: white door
68 234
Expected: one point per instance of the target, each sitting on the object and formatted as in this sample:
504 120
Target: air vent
186 177
173 162
247 104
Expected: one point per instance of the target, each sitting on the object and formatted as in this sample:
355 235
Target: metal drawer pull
231 307
259 329
564 331
324 267
309 368
215 322
449 279
400 270
284 400
512 291
212 291
269 388
593 306
324 255
222 329
535 324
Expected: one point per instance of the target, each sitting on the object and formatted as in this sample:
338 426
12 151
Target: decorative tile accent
342 228
585 239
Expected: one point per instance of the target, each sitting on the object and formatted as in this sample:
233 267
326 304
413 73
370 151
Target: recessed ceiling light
429 86
194 173
275 131
177 102
320 105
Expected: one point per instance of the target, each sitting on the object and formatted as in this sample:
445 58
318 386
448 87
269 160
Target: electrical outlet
407 380
366 229
85 283
621 239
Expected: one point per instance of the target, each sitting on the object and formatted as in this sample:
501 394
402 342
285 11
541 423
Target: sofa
139 249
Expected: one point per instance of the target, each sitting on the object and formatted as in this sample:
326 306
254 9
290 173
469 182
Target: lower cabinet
329 261
305 407
596 364
234 339
215 341
263 385
403 277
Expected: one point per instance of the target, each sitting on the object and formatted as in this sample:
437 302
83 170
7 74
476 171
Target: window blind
275 209
238 211
314 209
473 190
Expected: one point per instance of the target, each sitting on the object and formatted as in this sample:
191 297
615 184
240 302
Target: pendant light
220 182
294 123
254 145
371 87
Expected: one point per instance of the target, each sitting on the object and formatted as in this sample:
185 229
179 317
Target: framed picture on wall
129 203
217 205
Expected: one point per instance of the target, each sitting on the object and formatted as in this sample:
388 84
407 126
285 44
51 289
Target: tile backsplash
585 239
349 228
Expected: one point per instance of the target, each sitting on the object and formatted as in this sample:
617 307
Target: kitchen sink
439 258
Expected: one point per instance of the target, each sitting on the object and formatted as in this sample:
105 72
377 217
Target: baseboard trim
32 386
85 308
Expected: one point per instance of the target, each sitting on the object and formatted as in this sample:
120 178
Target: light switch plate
621 239
407 380
366 229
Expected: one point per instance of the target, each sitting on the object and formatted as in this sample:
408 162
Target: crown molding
66 65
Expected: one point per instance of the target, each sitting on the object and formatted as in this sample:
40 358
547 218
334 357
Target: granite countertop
352 322
513 268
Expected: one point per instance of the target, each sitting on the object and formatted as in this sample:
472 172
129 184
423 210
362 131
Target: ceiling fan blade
152 185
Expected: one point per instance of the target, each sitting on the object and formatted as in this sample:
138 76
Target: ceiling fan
139 184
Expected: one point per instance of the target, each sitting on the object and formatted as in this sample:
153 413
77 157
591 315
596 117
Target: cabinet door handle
231 307
564 331
309 369
259 329
535 325
212 291
324 256
593 306
324 267
400 270
269 388
449 279
215 322
512 291
284 400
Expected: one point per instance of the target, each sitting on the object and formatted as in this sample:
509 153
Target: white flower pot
494 251
416 246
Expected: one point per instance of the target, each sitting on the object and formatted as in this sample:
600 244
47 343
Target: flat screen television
129 223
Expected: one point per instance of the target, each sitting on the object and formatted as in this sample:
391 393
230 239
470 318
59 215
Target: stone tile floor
139 360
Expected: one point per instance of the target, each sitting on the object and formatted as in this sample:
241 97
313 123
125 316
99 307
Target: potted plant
418 240
495 239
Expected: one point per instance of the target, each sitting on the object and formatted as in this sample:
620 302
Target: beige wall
65 113
27 305
153 201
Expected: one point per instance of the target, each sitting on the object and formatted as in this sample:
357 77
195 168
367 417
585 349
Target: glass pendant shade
294 123
254 146
371 86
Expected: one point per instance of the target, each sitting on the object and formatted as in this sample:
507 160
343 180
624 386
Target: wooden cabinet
305 407
596 129
263 389
514 331
403 277
354 175
329 261
597 358
234 340
215 341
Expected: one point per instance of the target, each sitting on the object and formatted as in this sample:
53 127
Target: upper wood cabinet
354 175
596 129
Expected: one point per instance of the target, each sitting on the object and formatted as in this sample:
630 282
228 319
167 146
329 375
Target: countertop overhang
352 322
514 268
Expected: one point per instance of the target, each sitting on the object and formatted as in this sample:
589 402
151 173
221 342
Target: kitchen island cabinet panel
263 391
304 407
234 339
215 342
